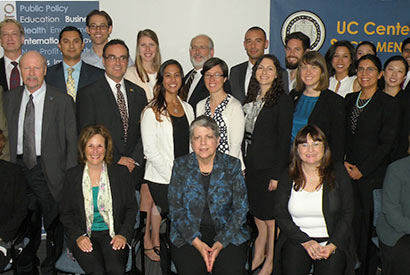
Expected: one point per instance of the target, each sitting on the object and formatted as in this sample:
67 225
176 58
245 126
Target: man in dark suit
42 139
255 44
72 74
200 50
116 103
12 39
296 44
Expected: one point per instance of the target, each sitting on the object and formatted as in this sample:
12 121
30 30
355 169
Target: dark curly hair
275 91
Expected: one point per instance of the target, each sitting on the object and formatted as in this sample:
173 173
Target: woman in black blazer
268 123
98 209
371 128
316 104
314 210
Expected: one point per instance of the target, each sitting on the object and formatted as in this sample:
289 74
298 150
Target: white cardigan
158 142
234 118
132 75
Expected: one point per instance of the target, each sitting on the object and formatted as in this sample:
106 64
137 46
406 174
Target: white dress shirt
112 84
38 100
194 83
292 82
9 67
248 76
407 80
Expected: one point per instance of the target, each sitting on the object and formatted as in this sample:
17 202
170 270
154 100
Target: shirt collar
7 61
37 93
112 83
76 67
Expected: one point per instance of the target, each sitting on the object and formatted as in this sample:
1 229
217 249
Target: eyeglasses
94 27
215 76
201 48
113 58
313 145
369 70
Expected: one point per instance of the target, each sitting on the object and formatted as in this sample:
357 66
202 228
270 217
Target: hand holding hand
204 250
313 248
216 248
118 242
327 250
84 243
129 162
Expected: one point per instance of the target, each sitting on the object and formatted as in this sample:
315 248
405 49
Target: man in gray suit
42 139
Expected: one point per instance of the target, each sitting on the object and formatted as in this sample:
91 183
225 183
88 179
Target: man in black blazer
42 139
12 39
102 103
255 43
72 74
405 52
200 50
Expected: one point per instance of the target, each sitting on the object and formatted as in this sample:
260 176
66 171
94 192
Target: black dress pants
395 259
43 209
102 260
296 261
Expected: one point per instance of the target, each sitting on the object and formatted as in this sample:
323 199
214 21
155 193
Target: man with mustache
296 44
200 50
42 139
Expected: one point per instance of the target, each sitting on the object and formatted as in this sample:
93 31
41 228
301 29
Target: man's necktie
29 138
122 107
70 83
14 76
187 86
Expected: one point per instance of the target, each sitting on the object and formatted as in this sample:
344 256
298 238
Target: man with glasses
72 74
117 104
12 39
201 49
99 28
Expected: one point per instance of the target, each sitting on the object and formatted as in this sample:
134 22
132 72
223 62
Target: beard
290 66
199 64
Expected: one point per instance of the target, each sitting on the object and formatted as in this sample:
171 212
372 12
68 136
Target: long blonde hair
142 73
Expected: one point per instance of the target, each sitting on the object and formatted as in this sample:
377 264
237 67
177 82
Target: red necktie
14 76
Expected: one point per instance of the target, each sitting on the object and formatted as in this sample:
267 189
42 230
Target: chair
66 262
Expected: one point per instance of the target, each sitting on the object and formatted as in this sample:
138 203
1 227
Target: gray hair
211 43
204 121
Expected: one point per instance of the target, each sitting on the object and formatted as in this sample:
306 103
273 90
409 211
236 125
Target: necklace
205 173
364 105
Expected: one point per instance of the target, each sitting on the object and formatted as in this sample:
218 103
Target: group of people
303 146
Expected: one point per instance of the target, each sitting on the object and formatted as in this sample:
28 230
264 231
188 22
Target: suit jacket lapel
83 75
48 115
112 102
15 104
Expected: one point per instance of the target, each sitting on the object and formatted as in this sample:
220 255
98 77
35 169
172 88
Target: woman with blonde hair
147 62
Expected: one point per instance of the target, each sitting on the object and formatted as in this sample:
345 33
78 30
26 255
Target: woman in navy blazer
208 206
98 234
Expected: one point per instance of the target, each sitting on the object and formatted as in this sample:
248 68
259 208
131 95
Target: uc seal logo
308 23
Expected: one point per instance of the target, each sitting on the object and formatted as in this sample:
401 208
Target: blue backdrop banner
386 23
43 21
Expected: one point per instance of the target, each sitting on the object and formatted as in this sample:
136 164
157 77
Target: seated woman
394 74
223 108
208 206
393 226
13 203
98 208
314 209
341 64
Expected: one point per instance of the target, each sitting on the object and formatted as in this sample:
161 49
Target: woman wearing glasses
371 127
223 108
